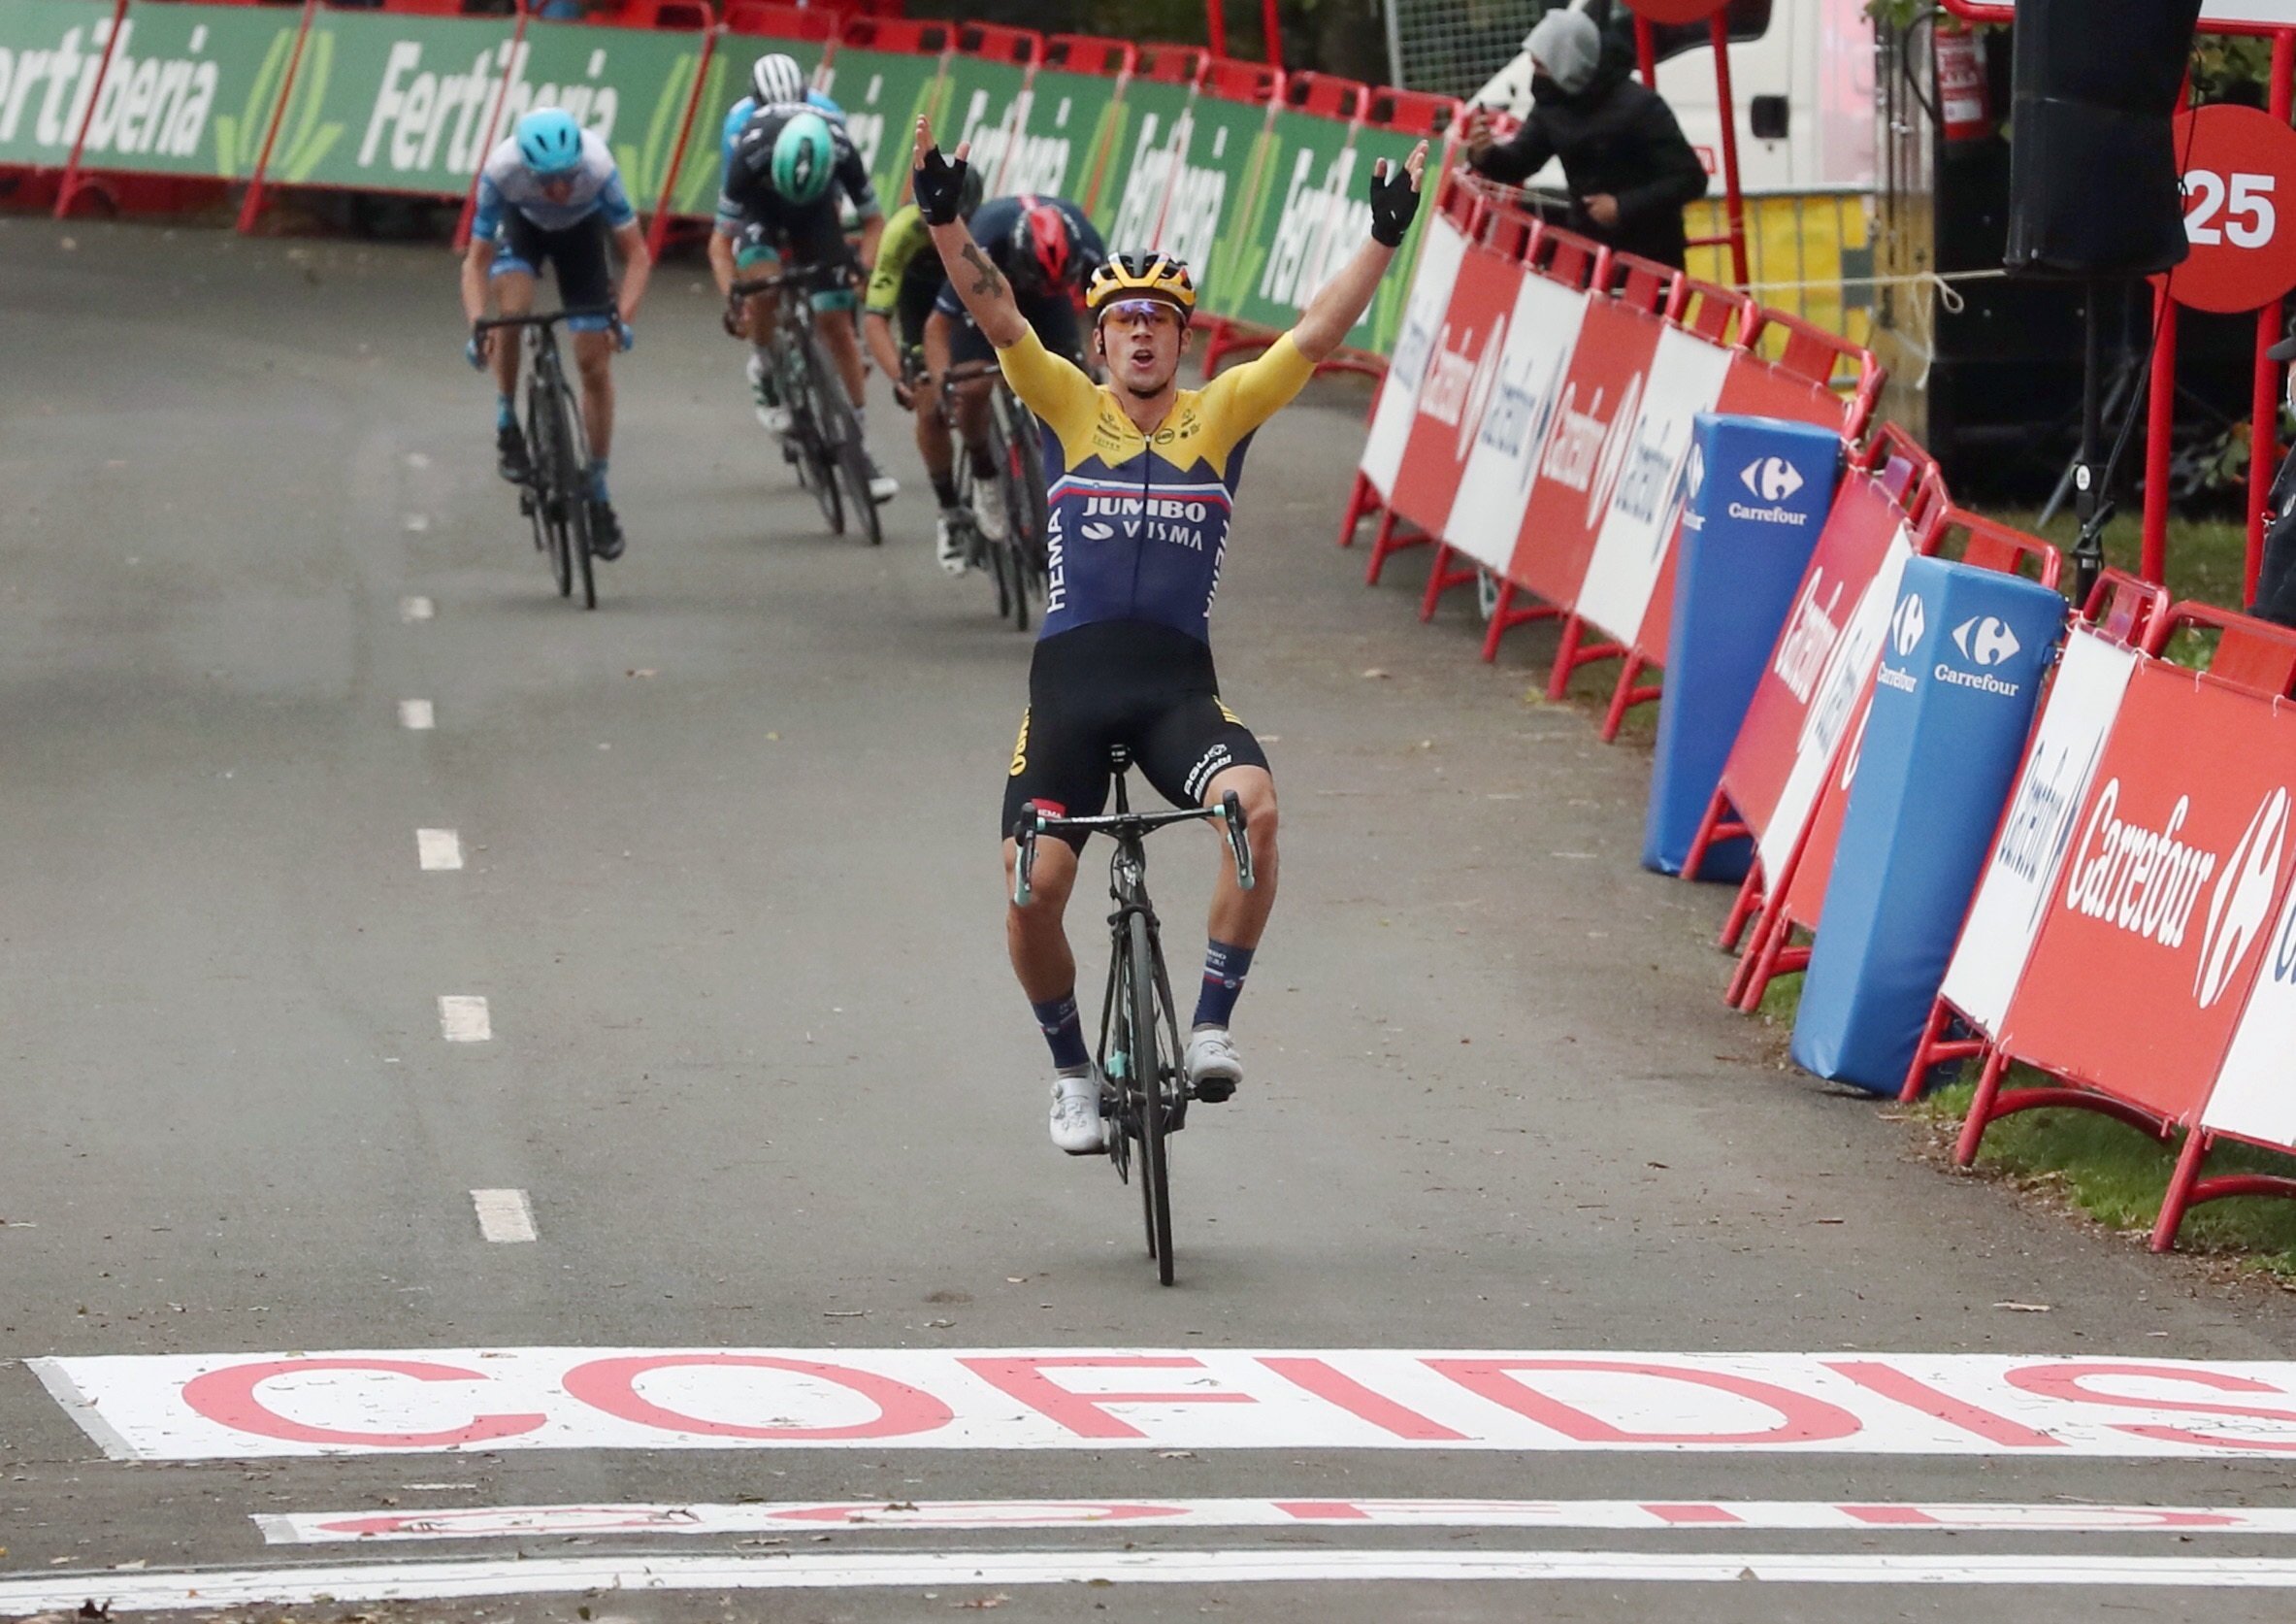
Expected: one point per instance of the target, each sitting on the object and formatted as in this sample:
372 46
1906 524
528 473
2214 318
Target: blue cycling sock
1063 1032
506 413
598 481
1225 967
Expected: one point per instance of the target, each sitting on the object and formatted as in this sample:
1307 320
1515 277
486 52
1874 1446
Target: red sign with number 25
2239 209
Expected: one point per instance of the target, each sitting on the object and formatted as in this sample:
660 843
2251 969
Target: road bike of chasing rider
551 193
1143 475
774 81
1045 250
780 203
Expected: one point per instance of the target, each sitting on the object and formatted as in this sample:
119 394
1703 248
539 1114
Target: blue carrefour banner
1953 700
1760 489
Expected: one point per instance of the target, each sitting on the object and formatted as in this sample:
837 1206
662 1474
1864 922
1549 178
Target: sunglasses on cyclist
1153 311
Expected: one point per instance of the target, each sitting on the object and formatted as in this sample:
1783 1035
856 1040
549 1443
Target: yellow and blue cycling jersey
1139 522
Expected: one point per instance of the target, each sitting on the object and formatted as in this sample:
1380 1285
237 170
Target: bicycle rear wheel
840 436
1021 466
1148 1070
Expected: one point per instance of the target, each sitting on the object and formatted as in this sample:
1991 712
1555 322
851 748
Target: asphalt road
730 890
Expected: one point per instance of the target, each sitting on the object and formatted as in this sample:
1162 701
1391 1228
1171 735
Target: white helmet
778 79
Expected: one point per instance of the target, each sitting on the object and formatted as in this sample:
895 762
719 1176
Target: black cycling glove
939 186
1395 203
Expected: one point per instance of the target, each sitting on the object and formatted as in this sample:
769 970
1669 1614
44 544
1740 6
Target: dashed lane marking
311 1528
943 1572
439 848
417 715
504 1216
463 1019
417 609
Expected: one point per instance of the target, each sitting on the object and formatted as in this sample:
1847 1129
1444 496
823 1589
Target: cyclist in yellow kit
1143 475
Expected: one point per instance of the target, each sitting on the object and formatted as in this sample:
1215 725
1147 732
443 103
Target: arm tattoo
991 284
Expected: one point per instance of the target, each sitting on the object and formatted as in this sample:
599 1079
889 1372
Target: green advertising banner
189 91
1219 171
726 82
1139 167
629 87
385 102
1066 130
882 93
982 102
1307 214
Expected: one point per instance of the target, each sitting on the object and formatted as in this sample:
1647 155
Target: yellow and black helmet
1132 275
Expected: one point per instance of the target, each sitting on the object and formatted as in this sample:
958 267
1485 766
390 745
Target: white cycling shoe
948 544
776 419
1077 1126
988 512
883 487
1215 1065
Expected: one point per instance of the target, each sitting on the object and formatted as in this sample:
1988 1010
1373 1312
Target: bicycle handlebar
1229 813
796 276
538 319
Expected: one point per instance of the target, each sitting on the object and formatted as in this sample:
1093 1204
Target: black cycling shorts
578 254
809 235
914 308
1131 682
1055 322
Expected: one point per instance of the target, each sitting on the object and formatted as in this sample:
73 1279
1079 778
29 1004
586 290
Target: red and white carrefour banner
1584 449
2029 851
1646 485
1396 409
256 1405
2179 855
1533 369
1461 371
2256 1097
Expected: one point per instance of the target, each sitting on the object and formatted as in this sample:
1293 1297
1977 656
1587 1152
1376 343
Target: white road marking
439 848
504 1216
250 1406
210 1589
417 609
416 714
1308 1510
463 1019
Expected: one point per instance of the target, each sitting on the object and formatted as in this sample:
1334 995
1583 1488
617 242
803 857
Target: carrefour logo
1771 478
1985 640
2243 898
1908 625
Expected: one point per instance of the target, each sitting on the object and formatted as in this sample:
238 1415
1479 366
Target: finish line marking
438 848
972 1515
939 1571
417 715
504 1216
252 1406
463 1019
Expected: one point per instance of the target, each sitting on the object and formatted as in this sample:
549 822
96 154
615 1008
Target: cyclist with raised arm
551 193
1044 248
774 81
1143 475
780 205
903 285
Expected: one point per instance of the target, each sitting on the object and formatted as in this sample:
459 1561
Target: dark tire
1146 1066
1021 468
576 489
546 448
841 439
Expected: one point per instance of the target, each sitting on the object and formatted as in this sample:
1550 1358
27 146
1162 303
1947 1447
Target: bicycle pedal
1213 1091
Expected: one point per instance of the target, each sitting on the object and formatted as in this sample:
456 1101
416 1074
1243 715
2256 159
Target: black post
2090 502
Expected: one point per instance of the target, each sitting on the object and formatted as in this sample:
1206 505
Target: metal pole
1733 194
1271 26
1646 50
1216 26
2089 552
2160 421
70 185
2264 450
250 208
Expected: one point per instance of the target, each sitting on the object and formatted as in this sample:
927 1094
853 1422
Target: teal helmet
549 141
804 158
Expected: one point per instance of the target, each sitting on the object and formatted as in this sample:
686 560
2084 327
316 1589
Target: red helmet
1041 251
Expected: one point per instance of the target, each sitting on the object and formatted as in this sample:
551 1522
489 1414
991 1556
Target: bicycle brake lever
1024 838
1232 814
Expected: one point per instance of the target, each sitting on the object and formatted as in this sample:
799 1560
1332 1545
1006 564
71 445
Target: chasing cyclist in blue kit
551 194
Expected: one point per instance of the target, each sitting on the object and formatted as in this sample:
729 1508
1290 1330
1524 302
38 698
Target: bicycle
1146 1091
824 437
1016 446
555 494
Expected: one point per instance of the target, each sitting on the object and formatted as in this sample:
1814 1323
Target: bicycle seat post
1120 757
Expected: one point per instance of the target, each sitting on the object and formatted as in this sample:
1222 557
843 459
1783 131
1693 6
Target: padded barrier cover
1953 702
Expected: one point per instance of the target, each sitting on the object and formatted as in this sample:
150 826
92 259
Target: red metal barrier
1021 47
1413 111
1171 64
897 33
1325 95
777 19
1091 53
1234 80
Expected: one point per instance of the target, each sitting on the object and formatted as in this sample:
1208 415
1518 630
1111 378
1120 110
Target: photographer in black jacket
1628 170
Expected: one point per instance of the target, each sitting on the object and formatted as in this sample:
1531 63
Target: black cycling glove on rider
1395 203
938 185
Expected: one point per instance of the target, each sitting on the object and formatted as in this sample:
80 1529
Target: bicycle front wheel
546 443
578 498
1149 1070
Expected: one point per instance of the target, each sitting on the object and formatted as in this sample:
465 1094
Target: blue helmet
549 140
